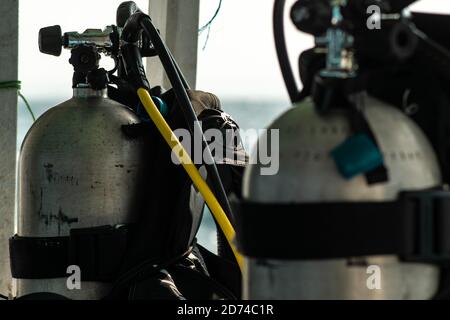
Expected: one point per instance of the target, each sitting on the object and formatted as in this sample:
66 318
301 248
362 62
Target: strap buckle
98 252
426 226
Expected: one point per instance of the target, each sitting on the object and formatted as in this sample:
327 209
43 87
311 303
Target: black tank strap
416 228
349 95
359 124
97 251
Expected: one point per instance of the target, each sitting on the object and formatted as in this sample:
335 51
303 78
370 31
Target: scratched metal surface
76 170
8 99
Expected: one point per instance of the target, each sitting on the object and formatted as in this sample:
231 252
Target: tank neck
89 93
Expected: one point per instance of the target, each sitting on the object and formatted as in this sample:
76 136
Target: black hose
439 51
134 25
144 269
282 54
124 11
189 113
191 118
217 286
180 73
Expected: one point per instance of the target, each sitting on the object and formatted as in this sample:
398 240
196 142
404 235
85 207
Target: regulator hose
177 79
135 24
180 73
124 12
190 169
188 111
281 49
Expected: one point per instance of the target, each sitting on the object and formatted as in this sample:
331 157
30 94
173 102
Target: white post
177 21
9 13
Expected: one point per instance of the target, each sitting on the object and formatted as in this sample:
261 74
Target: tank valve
50 40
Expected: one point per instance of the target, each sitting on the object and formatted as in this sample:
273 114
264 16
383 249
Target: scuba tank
110 216
77 170
354 209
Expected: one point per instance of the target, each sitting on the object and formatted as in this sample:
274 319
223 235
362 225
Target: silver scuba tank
311 195
77 170
308 174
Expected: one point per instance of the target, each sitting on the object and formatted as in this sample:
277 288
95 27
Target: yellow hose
191 170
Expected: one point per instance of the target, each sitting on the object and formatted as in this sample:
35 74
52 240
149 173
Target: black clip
98 252
426 223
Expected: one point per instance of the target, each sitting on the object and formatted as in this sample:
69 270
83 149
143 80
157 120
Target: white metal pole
9 13
177 21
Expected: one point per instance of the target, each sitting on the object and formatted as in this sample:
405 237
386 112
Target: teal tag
357 155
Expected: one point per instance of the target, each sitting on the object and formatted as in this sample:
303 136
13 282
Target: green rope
207 25
17 85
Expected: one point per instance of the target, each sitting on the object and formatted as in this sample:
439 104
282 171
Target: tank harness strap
359 125
349 95
98 252
415 228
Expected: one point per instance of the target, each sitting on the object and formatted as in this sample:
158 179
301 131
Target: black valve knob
85 58
311 16
50 40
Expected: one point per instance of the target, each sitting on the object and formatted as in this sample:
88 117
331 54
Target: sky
239 60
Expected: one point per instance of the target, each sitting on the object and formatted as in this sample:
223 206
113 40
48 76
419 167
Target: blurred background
236 61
